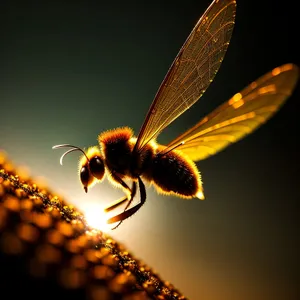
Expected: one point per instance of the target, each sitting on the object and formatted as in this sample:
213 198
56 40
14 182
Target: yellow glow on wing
239 116
271 88
236 101
95 216
237 97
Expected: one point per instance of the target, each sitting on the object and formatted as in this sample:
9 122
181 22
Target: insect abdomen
173 173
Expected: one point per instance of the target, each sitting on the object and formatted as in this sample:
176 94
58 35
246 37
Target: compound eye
97 167
85 177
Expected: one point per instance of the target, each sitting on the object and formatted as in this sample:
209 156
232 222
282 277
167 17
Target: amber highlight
48 250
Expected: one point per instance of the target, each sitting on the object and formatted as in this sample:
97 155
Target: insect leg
128 213
117 179
122 200
127 205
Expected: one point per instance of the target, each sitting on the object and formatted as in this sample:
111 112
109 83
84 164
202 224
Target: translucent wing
192 70
239 116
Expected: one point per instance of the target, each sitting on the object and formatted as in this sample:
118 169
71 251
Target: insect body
171 168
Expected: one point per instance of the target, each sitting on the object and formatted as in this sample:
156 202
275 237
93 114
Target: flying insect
171 168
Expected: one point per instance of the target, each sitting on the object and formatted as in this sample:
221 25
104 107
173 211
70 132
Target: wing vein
192 71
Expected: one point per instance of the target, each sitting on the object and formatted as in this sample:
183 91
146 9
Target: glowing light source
95 216
200 195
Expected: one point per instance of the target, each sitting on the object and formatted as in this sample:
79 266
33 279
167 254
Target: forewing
239 116
192 70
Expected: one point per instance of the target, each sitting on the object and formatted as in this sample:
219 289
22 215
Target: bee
171 168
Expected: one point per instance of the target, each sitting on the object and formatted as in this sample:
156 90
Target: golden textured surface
47 249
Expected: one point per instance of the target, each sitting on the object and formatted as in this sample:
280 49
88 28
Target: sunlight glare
96 217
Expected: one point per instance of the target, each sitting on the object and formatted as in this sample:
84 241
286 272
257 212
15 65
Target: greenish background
69 70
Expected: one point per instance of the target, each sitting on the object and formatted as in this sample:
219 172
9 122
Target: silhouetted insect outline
171 169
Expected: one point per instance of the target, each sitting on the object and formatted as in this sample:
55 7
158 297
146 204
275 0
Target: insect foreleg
128 213
127 205
122 200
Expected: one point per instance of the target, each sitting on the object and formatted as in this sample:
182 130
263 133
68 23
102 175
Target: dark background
69 70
